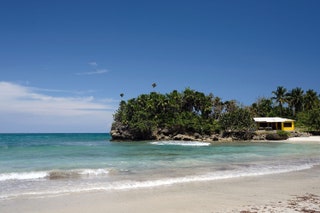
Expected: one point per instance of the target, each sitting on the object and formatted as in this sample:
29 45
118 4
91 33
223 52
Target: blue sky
63 64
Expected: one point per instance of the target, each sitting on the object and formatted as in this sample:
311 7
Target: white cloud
96 72
23 109
75 92
93 63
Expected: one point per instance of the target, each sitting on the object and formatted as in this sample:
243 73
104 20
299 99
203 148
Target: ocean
52 164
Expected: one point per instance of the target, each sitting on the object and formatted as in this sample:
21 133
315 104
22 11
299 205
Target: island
191 115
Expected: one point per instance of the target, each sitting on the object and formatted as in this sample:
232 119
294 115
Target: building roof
272 119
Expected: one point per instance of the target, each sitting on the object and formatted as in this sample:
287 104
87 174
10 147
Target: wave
218 175
134 184
23 175
53 174
180 143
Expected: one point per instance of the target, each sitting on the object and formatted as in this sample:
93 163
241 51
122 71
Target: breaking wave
135 184
180 143
53 174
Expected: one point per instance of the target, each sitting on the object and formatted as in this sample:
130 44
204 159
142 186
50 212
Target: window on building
287 124
263 124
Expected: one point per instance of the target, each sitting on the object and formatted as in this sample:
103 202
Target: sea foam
22 175
53 174
180 143
218 175
135 184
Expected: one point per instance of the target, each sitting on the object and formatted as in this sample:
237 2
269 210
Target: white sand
272 193
305 139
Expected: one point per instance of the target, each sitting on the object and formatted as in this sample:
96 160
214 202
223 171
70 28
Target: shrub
279 135
282 133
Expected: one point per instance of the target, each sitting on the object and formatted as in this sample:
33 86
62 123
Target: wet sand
270 193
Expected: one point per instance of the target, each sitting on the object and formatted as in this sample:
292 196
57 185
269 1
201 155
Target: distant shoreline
235 136
305 139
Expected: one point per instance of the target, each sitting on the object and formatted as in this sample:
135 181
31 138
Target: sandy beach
287 192
313 139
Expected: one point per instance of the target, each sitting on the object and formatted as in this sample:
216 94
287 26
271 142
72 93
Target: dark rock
182 137
259 137
165 131
239 135
275 136
214 137
197 135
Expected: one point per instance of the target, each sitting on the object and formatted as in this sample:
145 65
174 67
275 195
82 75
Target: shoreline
280 192
219 139
255 193
304 139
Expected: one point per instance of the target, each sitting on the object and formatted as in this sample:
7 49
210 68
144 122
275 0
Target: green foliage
263 107
295 100
283 134
279 135
310 119
186 112
237 120
280 97
191 112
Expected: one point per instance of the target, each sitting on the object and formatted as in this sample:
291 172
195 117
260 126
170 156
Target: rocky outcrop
276 137
121 132
300 134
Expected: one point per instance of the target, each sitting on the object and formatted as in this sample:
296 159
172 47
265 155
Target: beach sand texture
314 139
289 192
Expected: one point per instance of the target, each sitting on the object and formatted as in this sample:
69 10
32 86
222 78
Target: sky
64 64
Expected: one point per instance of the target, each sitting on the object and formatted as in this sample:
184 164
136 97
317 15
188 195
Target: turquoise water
47 164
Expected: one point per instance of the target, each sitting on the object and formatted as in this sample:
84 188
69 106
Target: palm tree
154 85
230 106
217 105
188 100
295 98
174 102
280 97
262 107
310 99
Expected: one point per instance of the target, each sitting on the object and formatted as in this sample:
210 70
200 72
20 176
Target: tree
154 85
230 106
186 112
280 97
310 119
310 99
238 120
262 108
295 100
217 108
190 112
188 100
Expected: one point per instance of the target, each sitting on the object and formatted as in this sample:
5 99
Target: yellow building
274 123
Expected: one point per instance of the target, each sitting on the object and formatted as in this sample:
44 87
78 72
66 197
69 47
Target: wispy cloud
22 109
93 63
75 92
96 72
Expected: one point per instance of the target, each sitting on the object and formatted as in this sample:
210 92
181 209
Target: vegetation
190 112
279 135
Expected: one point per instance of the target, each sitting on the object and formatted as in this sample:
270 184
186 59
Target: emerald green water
44 164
